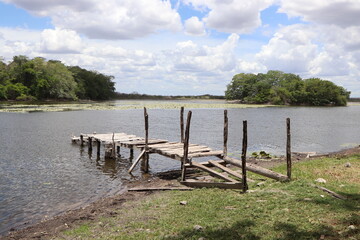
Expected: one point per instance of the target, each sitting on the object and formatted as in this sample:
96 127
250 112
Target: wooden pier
184 152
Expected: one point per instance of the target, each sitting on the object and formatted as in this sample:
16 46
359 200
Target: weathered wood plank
207 154
224 185
213 172
145 189
226 169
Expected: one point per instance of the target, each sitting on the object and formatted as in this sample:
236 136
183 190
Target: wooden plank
224 185
225 169
213 172
136 161
159 189
206 154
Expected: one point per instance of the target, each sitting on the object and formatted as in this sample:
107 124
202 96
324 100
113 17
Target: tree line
281 88
39 79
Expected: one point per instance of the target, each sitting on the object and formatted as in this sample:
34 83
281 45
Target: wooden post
182 124
145 164
113 146
131 154
98 144
81 140
243 157
288 148
186 146
89 144
226 128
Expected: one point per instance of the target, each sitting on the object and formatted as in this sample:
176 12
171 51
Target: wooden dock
182 151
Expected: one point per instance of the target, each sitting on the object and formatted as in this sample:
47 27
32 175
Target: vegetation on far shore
25 79
271 210
281 88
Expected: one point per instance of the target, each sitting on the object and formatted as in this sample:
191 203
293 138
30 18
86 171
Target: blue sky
187 47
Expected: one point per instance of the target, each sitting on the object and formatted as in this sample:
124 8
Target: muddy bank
109 206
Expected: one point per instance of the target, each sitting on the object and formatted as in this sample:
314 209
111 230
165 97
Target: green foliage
281 88
38 79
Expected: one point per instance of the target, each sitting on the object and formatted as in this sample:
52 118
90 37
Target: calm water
43 174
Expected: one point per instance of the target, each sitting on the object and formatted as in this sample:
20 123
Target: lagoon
42 174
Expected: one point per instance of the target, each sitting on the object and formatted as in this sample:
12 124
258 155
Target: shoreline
106 206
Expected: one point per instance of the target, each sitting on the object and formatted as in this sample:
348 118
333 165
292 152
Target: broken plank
213 172
206 154
145 189
224 185
228 170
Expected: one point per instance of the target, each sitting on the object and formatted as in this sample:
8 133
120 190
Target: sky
188 47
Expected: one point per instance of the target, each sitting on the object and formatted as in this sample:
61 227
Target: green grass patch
293 210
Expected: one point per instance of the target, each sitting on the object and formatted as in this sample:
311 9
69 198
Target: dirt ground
107 207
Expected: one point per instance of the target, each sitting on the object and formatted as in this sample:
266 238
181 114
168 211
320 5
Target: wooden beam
136 161
213 172
224 185
145 164
258 170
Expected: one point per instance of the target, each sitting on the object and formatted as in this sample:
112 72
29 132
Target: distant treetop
38 79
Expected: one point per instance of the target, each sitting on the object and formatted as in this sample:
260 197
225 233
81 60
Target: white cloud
193 26
342 13
231 16
290 49
60 41
111 19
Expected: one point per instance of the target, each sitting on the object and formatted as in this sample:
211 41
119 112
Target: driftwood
258 170
228 170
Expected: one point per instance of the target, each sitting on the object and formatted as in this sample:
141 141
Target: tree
277 87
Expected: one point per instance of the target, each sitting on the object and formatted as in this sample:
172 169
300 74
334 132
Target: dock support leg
118 150
90 144
81 140
131 154
98 145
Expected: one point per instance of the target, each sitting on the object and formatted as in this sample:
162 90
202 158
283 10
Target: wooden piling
98 144
226 129
113 146
89 144
145 163
182 124
81 140
288 148
243 157
186 146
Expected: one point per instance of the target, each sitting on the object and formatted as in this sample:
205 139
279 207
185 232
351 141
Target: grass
294 210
